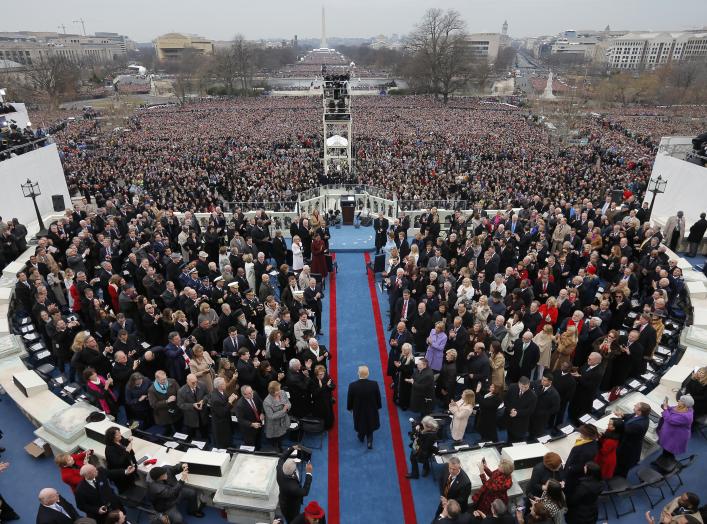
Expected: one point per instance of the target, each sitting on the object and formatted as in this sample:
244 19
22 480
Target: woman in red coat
549 313
318 258
494 485
608 443
114 292
70 465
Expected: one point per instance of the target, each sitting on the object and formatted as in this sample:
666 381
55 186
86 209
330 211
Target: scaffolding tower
336 98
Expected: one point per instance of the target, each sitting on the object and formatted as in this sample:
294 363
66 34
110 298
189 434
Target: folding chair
313 426
679 466
651 479
620 487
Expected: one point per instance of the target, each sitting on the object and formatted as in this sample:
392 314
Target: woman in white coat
544 340
297 254
514 328
461 410
249 270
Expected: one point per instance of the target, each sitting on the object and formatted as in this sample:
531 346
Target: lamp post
31 190
657 187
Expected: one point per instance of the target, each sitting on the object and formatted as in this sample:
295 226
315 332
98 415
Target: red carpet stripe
398 448
333 438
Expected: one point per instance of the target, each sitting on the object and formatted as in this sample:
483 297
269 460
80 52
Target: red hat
314 510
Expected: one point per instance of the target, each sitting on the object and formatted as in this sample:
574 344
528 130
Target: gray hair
687 400
289 467
295 363
430 423
455 460
218 381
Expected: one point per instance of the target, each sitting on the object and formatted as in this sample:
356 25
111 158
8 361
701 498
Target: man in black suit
544 288
245 368
478 369
313 300
397 284
192 400
647 336
697 232
423 388
405 309
397 339
452 514
249 411
547 406
94 495
279 248
525 357
292 492
220 406
637 364
565 384
231 344
588 382
454 484
380 227
364 401
520 404
165 492
457 336
55 509
297 382
23 291
628 454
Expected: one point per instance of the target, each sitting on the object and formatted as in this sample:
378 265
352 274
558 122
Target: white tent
337 141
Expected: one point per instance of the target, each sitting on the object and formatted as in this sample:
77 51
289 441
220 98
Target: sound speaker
58 202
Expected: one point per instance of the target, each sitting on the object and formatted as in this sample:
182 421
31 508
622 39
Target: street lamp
657 187
31 190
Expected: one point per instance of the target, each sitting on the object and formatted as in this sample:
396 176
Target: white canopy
337 141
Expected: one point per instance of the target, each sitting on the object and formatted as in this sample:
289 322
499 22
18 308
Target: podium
348 209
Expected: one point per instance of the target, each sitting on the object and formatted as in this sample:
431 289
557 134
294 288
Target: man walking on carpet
364 400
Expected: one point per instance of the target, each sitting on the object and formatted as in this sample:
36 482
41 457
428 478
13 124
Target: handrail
283 206
5 153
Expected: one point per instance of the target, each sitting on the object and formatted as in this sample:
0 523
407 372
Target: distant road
525 62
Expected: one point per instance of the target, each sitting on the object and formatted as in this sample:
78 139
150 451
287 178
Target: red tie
255 410
405 309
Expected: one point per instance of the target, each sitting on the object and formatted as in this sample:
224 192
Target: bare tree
440 44
52 77
244 58
225 68
187 72
505 59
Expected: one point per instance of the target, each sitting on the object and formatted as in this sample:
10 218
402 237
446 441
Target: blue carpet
368 482
350 239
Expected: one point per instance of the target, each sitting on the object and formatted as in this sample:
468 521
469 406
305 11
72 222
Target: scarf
160 388
581 441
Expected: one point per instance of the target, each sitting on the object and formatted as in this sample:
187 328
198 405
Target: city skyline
220 20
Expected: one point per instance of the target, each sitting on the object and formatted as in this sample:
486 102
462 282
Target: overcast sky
143 20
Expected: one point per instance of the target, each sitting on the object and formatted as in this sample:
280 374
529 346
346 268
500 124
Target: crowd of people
198 155
519 322
170 324
16 140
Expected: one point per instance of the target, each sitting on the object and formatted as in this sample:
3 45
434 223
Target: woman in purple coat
674 431
435 347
